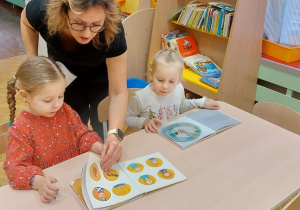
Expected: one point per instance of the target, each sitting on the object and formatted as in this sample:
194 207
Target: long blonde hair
56 16
32 75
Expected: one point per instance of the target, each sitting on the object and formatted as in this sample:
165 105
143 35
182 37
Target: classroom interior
249 76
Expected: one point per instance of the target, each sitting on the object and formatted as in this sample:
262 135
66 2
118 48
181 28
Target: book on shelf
186 45
203 66
176 15
208 17
212 82
195 127
171 35
223 5
125 181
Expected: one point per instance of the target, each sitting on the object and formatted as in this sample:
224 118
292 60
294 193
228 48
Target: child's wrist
145 122
32 181
202 102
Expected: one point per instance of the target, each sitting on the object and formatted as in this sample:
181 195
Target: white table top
254 165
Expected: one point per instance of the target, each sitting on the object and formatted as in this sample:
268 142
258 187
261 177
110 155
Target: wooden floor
8 67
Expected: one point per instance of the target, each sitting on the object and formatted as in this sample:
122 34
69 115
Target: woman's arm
118 99
29 35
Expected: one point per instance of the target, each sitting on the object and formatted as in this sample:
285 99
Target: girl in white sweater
164 98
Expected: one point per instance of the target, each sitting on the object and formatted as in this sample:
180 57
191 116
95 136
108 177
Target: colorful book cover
171 35
213 82
187 45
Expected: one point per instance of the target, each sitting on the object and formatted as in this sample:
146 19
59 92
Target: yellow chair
3 144
103 110
278 114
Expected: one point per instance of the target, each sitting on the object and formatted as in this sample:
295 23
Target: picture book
171 35
203 65
186 45
125 181
195 127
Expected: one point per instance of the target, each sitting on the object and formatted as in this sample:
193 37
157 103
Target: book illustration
154 162
121 189
193 128
95 173
183 131
125 181
171 35
166 173
186 45
135 167
147 179
101 194
111 175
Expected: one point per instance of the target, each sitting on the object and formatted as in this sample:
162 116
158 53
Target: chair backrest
138 29
103 110
3 137
278 114
103 106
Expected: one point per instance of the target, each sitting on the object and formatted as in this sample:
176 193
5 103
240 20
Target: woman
87 36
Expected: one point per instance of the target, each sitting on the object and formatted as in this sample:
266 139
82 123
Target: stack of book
213 17
200 64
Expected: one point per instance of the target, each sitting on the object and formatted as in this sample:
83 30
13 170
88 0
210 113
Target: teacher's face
83 27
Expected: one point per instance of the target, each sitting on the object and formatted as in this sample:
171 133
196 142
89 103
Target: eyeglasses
81 27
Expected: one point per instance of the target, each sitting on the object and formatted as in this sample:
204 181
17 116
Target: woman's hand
48 191
111 152
151 125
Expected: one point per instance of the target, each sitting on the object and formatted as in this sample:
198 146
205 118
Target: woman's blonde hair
167 55
56 16
31 76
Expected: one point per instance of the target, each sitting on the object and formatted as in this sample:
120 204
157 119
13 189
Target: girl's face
165 78
94 16
48 100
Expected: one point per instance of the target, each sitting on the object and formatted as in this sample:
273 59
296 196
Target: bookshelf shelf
190 76
197 29
238 56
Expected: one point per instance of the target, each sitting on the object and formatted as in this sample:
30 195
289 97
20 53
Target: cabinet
238 56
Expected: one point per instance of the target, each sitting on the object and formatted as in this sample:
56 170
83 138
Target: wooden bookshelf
238 55
175 22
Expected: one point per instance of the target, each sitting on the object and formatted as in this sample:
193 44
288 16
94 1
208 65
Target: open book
125 181
194 127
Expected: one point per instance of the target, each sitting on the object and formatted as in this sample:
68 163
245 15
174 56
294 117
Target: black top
88 61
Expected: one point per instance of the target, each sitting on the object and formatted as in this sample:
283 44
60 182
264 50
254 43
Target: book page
185 132
213 119
109 188
152 172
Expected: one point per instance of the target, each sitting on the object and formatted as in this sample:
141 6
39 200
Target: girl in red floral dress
46 132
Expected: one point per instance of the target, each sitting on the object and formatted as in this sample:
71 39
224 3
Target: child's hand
211 104
48 191
150 125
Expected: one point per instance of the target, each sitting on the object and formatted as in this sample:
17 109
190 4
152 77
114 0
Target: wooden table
254 165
